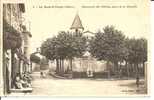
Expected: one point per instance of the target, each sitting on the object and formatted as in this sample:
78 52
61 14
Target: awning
35 58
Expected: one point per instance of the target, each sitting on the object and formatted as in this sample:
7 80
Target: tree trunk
134 69
62 66
143 68
137 65
57 66
115 67
71 67
127 67
131 68
108 68
119 70
71 64
137 75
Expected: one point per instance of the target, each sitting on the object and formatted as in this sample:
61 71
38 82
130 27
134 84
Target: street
50 86
81 87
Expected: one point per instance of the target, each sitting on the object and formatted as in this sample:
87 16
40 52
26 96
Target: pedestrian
41 74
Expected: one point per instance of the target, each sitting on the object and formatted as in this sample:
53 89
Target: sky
45 22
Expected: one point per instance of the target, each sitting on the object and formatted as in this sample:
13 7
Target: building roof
88 34
87 54
77 24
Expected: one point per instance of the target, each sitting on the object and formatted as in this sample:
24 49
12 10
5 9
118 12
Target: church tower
77 24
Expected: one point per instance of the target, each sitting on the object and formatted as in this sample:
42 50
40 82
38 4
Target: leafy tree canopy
108 45
137 50
63 46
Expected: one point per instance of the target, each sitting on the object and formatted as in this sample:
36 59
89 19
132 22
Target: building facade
15 45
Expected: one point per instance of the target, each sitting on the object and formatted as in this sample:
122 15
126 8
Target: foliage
108 45
48 48
137 50
111 45
63 46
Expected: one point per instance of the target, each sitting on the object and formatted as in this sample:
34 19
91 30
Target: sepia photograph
75 48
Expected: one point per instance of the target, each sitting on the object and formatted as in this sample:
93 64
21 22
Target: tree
49 50
65 45
127 54
108 45
137 52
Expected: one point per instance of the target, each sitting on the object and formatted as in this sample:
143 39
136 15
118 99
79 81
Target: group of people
22 81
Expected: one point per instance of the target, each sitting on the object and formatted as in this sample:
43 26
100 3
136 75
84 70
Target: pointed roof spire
77 24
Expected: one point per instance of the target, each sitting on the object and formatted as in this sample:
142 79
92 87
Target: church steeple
77 24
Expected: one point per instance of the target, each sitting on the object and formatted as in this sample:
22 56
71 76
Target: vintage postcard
94 48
